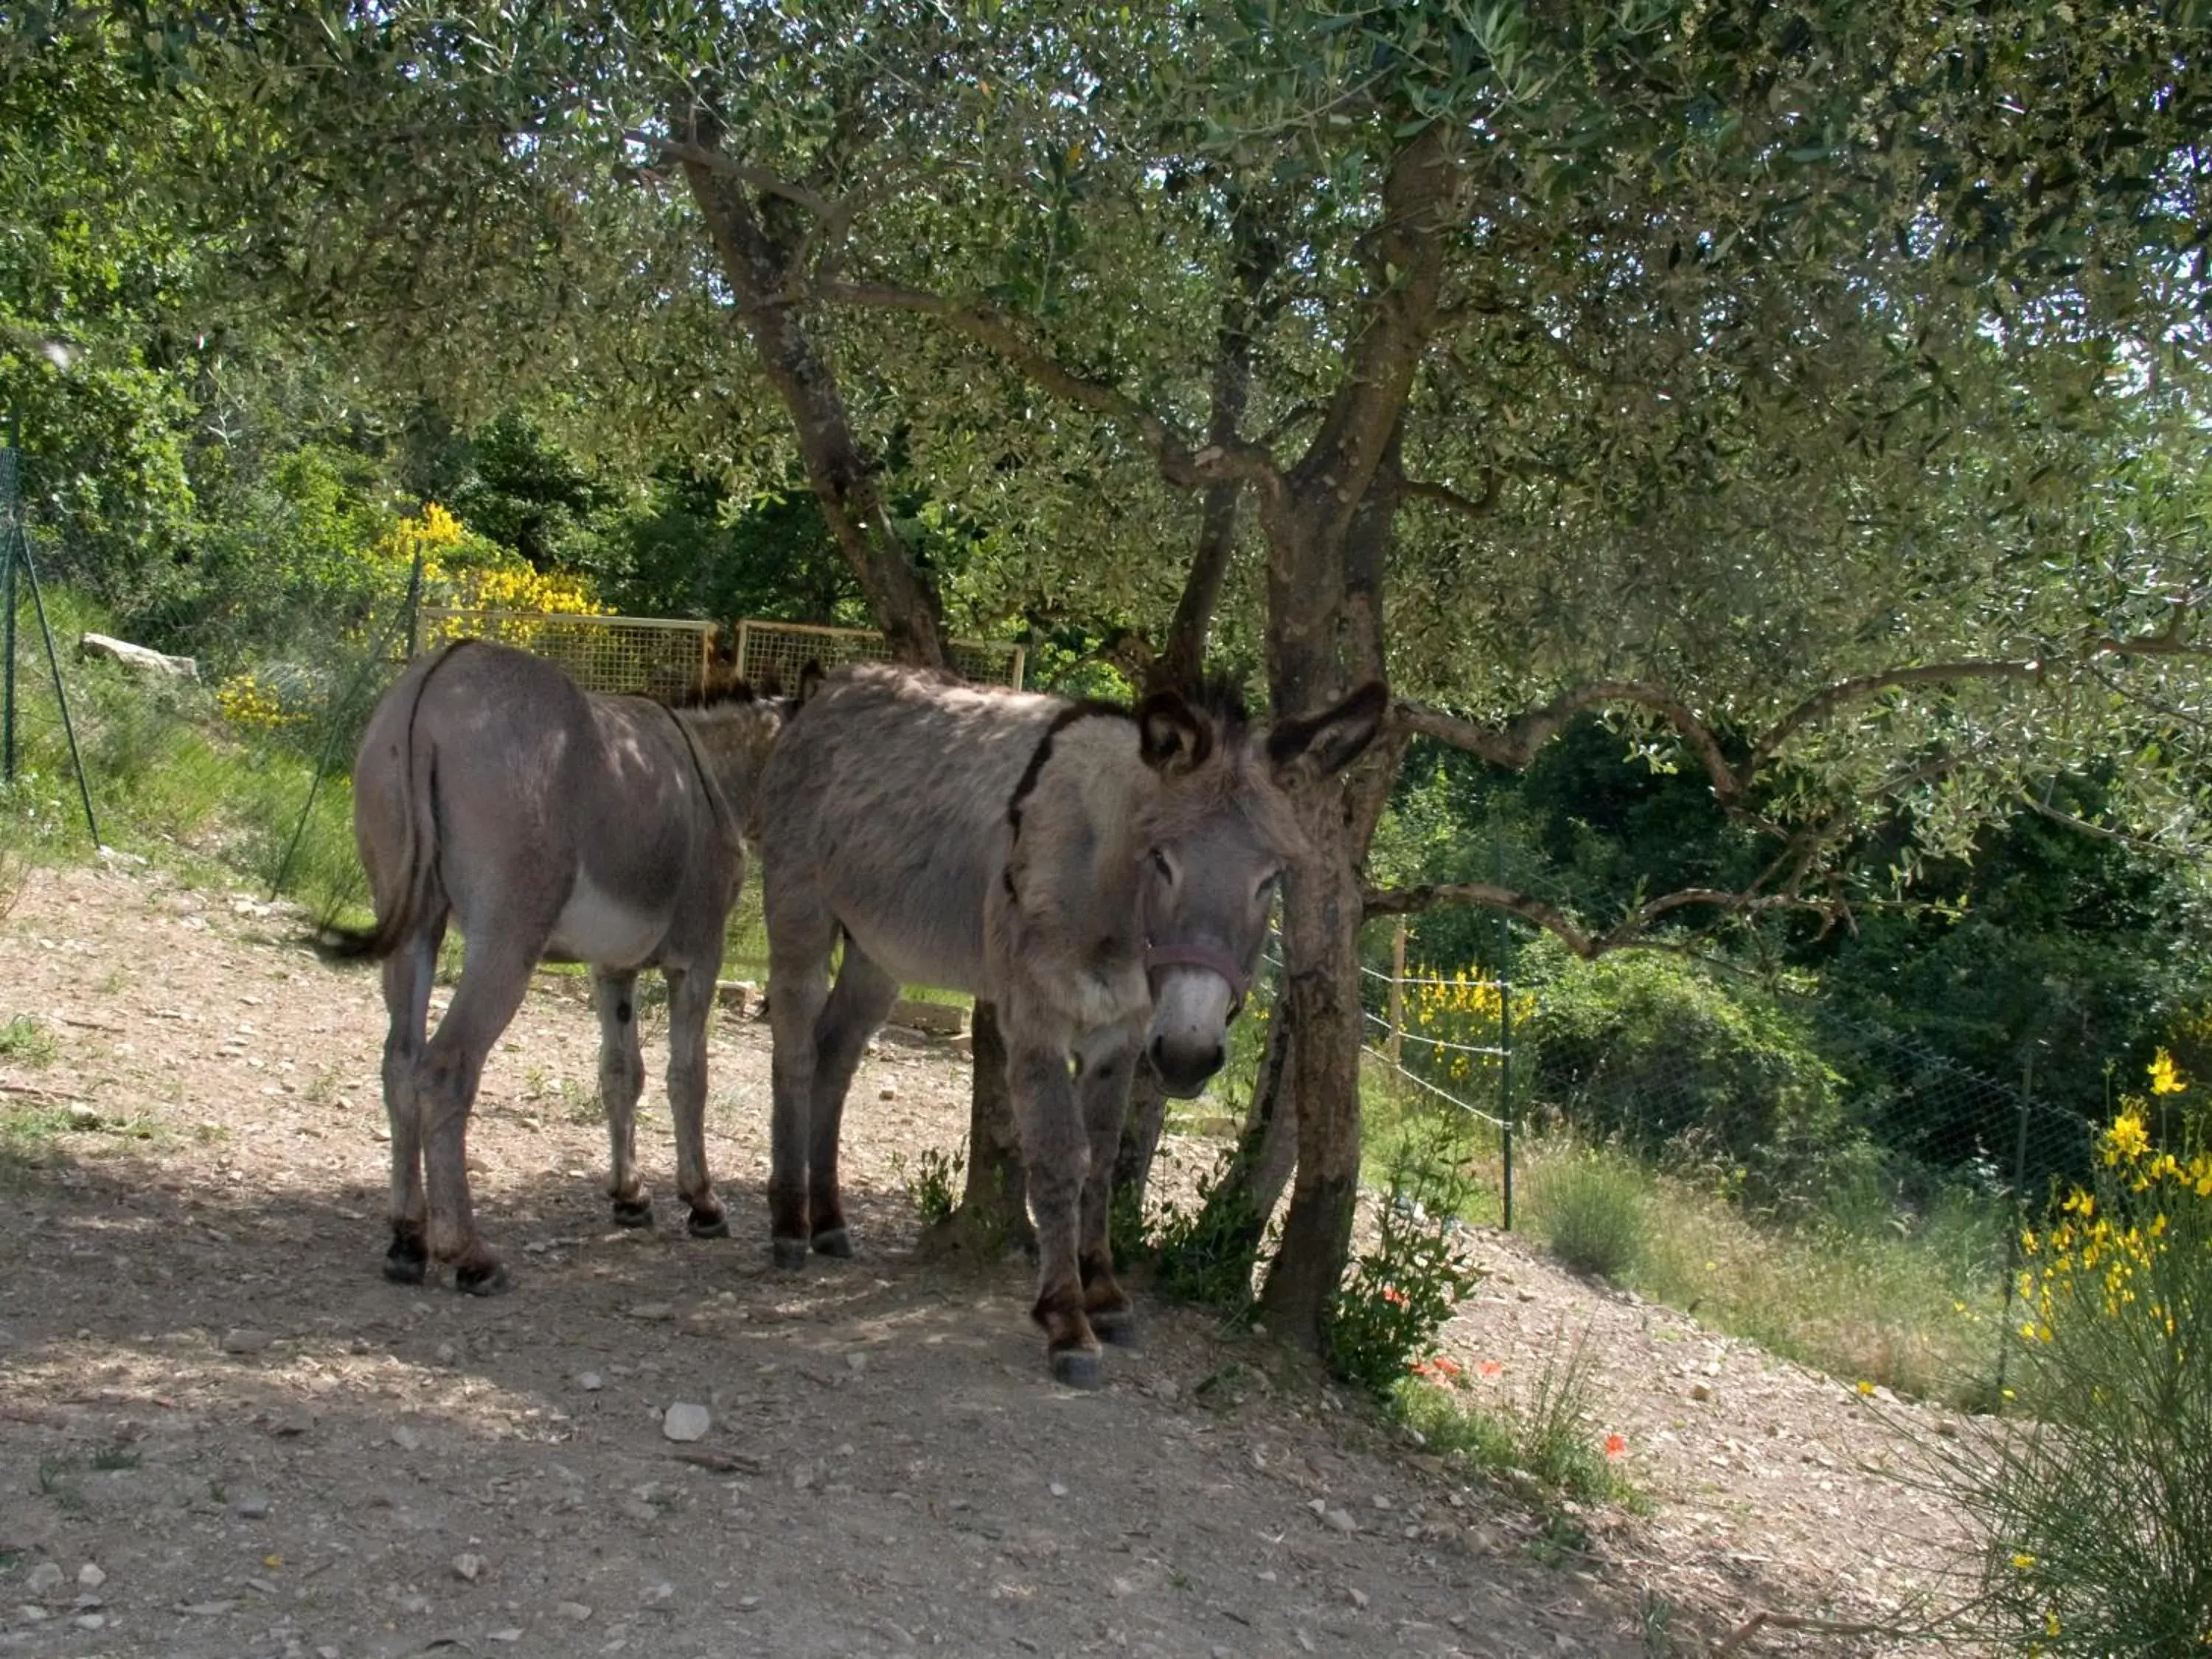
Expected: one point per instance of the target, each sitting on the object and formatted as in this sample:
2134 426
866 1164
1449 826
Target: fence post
1505 1087
1398 995
8 611
2018 1220
19 548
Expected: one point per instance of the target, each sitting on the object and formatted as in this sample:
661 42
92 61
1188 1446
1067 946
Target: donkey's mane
718 694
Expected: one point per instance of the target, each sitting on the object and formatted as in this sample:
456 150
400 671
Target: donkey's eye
1265 890
1160 863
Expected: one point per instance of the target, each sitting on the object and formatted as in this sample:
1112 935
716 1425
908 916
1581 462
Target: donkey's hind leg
690 1005
622 1077
862 996
1108 1064
800 935
408 972
494 977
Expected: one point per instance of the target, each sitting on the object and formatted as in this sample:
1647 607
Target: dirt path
222 1434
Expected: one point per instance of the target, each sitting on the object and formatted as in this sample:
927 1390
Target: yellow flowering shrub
1449 1019
2099 1536
464 572
246 701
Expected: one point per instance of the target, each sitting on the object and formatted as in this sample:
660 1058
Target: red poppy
1615 1445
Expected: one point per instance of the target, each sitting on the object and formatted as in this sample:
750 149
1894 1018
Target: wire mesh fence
780 652
657 656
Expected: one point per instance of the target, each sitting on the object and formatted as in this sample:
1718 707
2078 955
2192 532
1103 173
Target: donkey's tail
413 893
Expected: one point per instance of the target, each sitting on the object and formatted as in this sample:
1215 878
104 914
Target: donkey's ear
1307 751
1173 737
810 680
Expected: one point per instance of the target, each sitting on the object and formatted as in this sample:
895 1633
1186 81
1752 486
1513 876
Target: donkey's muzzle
1183 1071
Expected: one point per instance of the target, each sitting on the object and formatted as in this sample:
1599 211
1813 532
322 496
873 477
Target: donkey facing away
544 821
1104 875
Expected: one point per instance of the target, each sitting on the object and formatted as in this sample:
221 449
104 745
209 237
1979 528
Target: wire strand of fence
1422 1083
1489 1051
1381 977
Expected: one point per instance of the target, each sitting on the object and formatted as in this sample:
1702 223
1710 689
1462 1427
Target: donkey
544 821
1103 875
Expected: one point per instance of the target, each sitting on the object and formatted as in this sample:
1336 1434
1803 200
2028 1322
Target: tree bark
758 245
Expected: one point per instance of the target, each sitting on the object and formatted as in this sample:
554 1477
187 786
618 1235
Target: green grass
27 1041
1913 1302
1594 1212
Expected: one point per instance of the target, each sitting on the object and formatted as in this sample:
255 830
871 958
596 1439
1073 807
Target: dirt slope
222 1434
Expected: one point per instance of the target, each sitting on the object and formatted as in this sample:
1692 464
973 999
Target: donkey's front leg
1054 1151
1105 1066
690 1005
622 1077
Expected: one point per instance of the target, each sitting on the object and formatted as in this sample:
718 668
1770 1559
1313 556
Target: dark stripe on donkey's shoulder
1089 708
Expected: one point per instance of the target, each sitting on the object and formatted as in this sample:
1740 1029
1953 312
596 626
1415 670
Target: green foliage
1590 1207
2098 1534
1401 1289
1204 1254
934 1184
1543 1434
1645 1051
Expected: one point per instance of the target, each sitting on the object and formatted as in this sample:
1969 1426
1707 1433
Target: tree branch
1180 463
831 213
1474 507
1628 931
1515 744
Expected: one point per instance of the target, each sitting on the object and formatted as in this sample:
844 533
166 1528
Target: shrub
1645 1051
1381 1322
1544 1432
2097 1526
1590 1207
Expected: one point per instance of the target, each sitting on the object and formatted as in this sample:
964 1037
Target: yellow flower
2022 1561
2165 1077
2127 1139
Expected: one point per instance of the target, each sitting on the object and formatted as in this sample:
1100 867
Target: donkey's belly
598 927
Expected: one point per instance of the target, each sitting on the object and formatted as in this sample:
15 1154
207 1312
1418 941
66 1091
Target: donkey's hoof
789 1254
708 1224
633 1212
489 1279
1079 1368
409 1258
1115 1325
833 1240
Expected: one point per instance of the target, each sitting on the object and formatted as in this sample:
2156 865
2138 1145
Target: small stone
749 1603
251 1506
46 1578
89 1577
244 1341
447 1353
1357 1596
856 1361
685 1421
653 1310
1057 1489
1165 1390
468 1568
92 1621
1380 1501
575 1610
655 1594
406 1438
32 1613
590 1381
507 1633
1341 1521
1701 1391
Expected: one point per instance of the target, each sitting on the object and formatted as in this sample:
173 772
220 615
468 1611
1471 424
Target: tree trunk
1140 1132
756 246
993 1214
